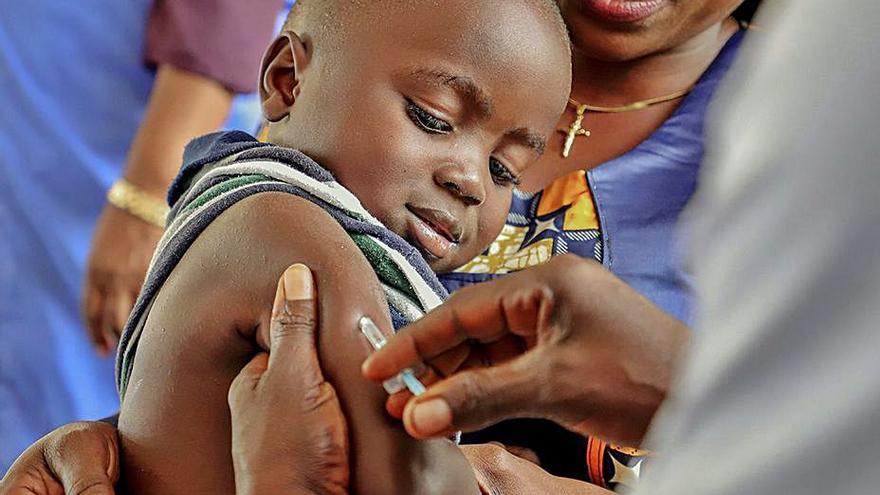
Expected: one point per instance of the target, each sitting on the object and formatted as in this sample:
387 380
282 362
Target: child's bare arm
202 328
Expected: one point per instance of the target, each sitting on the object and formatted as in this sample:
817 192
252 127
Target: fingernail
298 284
431 417
295 285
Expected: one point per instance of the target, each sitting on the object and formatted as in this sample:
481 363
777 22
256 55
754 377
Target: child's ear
280 74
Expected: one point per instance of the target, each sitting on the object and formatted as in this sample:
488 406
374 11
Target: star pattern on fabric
541 226
626 475
558 220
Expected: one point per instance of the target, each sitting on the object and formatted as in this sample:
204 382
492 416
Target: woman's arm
182 105
204 52
174 425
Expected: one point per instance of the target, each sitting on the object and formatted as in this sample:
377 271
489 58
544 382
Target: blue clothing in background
72 90
641 195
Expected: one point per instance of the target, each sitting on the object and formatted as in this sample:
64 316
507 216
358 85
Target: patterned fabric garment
560 219
623 213
224 168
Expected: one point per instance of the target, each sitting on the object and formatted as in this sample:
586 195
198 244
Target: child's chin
441 265
438 265
434 262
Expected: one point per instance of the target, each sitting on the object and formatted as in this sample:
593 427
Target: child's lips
435 231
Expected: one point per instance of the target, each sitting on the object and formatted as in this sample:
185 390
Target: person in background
643 80
779 390
87 87
644 74
782 397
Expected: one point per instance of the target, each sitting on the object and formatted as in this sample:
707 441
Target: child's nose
464 181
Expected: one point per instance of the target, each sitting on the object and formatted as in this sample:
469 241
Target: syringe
405 378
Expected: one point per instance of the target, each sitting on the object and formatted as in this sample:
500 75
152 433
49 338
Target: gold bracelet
131 199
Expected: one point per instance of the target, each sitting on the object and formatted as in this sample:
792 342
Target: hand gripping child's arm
213 314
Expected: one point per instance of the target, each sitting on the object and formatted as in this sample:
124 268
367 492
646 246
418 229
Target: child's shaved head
328 17
427 110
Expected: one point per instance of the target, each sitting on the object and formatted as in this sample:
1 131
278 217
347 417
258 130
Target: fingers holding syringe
495 317
460 358
475 398
446 364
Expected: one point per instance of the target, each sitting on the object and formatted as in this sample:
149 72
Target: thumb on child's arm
294 323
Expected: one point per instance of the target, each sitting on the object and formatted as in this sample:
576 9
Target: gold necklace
576 128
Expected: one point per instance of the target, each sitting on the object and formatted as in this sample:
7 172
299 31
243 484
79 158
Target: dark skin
78 458
617 64
499 343
215 310
501 471
457 117
620 63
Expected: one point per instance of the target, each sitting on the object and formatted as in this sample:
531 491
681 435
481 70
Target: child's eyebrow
469 90
463 85
530 139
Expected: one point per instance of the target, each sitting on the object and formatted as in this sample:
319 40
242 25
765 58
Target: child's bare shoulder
203 327
207 321
232 268
385 459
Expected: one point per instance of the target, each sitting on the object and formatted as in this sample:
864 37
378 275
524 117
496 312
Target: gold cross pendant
574 130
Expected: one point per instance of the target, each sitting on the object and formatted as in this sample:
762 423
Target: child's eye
502 175
426 121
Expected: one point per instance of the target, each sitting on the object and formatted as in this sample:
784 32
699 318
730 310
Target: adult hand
120 255
567 341
79 459
501 471
288 430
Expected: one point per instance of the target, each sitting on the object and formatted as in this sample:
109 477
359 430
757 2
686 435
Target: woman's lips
432 230
623 10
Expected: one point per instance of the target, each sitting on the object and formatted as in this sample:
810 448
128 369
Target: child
425 113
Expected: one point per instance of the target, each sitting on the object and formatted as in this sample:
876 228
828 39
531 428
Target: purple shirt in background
220 39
